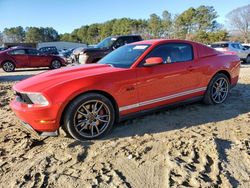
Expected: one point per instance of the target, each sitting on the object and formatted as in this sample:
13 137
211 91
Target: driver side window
173 52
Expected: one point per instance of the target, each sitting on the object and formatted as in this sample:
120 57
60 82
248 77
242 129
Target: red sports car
23 57
140 77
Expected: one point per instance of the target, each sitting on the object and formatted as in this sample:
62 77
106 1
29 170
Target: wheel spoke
92 130
87 110
102 120
97 129
95 107
85 115
215 94
97 111
84 127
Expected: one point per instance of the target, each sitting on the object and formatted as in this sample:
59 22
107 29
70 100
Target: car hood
44 81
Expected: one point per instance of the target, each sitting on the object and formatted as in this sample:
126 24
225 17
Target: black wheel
8 66
217 90
248 59
55 64
89 116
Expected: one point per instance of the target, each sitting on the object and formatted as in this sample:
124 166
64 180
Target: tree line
197 24
29 34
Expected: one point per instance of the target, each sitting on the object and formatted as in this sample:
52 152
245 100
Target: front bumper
41 119
36 134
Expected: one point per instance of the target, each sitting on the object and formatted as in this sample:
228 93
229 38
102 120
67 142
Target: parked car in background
233 48
24 57
94 54
66 54
134 79
49 50
3 48
74 57
246 46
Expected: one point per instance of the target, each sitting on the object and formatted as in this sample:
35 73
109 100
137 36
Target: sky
67 15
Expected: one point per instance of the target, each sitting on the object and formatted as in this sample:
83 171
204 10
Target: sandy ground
190 146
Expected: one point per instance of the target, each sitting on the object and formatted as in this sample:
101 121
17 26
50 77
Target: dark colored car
92 55
24 57
3 48
49 50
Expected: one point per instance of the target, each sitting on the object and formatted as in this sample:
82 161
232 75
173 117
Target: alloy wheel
220 90
92 118
56 64
8 66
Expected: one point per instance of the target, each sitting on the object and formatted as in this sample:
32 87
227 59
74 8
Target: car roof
158 41
226 42
117 36
20 48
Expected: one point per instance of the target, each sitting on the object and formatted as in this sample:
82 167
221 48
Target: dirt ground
191 146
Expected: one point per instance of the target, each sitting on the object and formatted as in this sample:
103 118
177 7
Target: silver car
233 48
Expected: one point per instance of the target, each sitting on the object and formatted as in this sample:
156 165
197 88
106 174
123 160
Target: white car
233 48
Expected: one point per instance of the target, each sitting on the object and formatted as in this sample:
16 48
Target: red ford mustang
23 57
140 77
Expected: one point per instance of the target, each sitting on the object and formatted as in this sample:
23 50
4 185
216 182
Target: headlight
38 99
83 58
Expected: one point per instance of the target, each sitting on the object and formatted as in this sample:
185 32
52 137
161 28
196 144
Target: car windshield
106 43
124 56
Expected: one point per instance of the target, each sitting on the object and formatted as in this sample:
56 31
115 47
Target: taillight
230 53
224 49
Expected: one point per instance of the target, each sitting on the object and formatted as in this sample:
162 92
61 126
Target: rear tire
217 90
89 116
8 66
55 64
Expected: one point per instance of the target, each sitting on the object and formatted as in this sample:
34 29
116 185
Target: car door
20 57
171 81
37 59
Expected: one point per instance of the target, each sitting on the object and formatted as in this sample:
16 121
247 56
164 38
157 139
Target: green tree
154 25
49 34
14 34
33 34
205 18
166 24
36 34
93 34
65 37
1 38
184 23
106 28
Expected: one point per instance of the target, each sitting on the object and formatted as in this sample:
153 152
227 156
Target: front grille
23 98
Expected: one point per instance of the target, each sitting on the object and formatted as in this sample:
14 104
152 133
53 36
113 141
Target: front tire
8 66
217 90
55 64
90 116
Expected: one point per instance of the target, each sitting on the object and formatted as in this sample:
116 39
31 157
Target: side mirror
153 61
